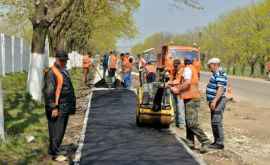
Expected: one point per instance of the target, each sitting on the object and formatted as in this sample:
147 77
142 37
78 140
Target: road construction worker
189 91
176 80
215 93
149 74
127 65
105 62
141 65
87 62
112 66
60 102
197 64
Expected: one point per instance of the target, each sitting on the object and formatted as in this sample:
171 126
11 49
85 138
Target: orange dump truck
172 52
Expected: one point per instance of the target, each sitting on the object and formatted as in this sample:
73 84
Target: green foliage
102 23
240 38
24 117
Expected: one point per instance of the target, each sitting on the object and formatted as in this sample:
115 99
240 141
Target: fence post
2 36
12 53
21 55
2 131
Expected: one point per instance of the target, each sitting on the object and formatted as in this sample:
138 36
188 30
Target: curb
194 155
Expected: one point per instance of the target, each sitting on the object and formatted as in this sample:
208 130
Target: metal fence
14 54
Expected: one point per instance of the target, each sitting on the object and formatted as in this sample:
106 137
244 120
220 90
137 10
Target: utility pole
2 132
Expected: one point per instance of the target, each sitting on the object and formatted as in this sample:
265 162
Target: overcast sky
160 16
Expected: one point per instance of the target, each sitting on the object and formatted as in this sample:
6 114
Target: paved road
256 92
112 137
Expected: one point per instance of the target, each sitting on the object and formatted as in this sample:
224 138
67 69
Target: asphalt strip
110 135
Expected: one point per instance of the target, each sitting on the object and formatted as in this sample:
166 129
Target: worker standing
60 102
105 62
197 65
215 93
190 94
141 65
112 66
87 62
176 80
126 69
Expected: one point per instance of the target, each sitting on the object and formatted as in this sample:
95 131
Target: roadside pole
2 132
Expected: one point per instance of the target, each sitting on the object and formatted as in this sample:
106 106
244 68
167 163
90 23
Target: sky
161 16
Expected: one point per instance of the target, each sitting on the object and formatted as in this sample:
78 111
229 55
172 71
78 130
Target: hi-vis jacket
193 91
58 91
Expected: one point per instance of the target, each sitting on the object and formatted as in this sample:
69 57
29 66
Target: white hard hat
213 61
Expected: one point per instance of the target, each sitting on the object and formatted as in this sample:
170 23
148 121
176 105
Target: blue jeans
179 111
127 80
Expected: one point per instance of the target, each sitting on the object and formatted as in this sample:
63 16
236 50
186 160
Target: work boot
204 148
189 143
216 146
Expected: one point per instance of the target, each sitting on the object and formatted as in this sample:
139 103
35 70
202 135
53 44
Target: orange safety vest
59 83
197 65
113 62
169 65
86 61
126 65
193 91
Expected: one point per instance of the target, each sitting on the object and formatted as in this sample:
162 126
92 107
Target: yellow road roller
155 106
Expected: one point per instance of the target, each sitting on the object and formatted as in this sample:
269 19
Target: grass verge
25 117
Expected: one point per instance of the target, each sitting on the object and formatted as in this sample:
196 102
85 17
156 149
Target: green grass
24 117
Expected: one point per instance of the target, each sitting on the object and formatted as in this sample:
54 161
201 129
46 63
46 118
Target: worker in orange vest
112 66
150 70
87 63
141 65
127 64
189 91
60 103
176 80
197 65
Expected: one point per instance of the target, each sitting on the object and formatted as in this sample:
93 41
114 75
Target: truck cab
171 52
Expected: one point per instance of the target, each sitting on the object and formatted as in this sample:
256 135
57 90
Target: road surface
112 137
255 92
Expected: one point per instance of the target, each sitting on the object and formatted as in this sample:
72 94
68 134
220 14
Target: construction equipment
155 107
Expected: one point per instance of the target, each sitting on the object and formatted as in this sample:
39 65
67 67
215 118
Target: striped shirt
218 79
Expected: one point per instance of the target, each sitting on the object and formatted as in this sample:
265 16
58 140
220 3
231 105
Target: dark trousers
192 124
57 128
104 71
217 121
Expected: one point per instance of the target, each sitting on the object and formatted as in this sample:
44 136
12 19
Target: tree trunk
262 68
252 69
38 61
243 68
56 42
234 70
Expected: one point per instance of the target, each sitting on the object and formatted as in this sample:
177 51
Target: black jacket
67 99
